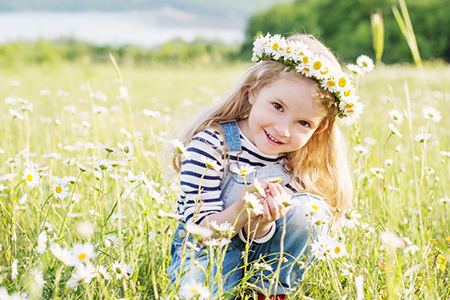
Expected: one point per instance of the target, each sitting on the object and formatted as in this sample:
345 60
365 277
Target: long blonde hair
320 167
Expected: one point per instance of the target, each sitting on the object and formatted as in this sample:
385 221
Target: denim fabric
294 241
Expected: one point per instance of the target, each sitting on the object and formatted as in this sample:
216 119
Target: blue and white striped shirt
209 144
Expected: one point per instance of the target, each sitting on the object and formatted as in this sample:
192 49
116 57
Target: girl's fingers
267 215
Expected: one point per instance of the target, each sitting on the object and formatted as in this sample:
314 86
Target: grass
405 201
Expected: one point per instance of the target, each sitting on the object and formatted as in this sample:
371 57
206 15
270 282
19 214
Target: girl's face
283 116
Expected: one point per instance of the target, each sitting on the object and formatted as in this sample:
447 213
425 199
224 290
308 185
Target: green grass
405 201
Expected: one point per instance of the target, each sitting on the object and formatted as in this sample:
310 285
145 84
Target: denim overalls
298 235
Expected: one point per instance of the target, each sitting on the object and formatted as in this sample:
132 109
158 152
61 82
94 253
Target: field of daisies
87 198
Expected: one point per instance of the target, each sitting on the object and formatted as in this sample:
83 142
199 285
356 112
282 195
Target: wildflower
243 169
103 165
82 274
152 113
348 270
31 177
210 164
258 188
396 116
350 219
82 252
69 161
338 250
361 149
60 190
224 227
192 289
377 172
163 214
391 240
117 216
217 242
422 137
2 187
46 226
62 254
16 114
192 246
431 113
107 148
111 240
445 154
199 231
38 277
321 248
14 271
367 228
262 267
181 149
394 130
151 236
253 203
128 149
284 199
41 242
121 270
365 63
445 200
355 69
103 272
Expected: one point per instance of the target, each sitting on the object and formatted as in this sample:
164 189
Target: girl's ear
252 95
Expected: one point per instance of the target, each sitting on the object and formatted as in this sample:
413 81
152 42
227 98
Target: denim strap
232 136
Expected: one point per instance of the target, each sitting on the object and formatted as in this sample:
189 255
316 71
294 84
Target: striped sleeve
200 186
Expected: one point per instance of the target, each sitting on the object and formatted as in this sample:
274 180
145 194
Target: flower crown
296 54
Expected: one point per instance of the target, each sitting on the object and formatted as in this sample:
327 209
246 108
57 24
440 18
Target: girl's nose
282 129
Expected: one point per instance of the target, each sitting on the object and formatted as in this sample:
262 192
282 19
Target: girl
277 131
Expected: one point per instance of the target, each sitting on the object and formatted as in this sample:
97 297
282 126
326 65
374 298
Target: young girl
277 132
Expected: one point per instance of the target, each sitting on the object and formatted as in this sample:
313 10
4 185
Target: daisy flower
192 289
350 219
422 137
361 149
163 214
365 63
367 228
82 167
243 169
217 242
46 226
377 172
338 250
152 113
41 242
394 130
31 177
321 248
16 114
445 200
62 254
258 188
262 267
2 188
391 240
431 113
224 227
103 272
210 164
82 274
14 271
253 203
355 69
107 148
38 277
396 116
181 149
348 270
60 190
284 199
82 253
199 232
128 149
121 270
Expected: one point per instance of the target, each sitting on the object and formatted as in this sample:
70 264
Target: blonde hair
320 167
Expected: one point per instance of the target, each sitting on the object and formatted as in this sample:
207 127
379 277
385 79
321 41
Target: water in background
118 28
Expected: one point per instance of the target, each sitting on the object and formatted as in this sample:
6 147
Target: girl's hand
273 210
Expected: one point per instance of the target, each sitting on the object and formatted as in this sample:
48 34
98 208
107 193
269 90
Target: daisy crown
297 55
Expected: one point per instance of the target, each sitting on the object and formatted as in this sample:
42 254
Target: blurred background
145 32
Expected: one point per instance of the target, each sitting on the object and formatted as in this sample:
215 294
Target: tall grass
407 199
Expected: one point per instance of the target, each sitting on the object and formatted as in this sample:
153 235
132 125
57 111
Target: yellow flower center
325 71
118 270
275 46
347 93
315 207
342 82
289 50
331 83
29 177
337 250
126 149
349 105
58 189
317 65
82 256
194 290
305 59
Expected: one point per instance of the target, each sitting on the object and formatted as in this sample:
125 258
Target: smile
272 138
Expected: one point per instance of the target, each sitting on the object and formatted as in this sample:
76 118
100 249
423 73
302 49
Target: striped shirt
209 144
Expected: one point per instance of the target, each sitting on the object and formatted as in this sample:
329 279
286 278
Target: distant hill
229 9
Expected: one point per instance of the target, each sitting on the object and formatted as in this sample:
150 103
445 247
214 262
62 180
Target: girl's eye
278 106
304 123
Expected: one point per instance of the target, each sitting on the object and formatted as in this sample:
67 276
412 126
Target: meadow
86 192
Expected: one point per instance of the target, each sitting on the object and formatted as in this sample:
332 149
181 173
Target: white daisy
377 172
210 164
82 253
258 188
103 272
199 232
31 177
38 277
60 190
422 137
217 242
181 149
355 69
338 250
62 254
396 116
321 248
262 267
41 242
242 169
361 149
121 270
394 130
253 203
193 289
445 200
83 274
431 113
16 114
350 219
128 149
14 271
365 63
224 227
152 113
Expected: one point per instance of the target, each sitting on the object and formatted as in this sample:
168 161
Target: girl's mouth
271 138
